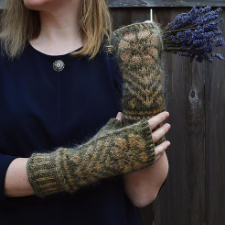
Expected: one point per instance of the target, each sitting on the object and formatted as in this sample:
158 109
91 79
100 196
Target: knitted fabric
138 48
119 147
114 150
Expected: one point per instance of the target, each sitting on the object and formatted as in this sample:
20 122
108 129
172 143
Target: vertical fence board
126 16
215 141
182 199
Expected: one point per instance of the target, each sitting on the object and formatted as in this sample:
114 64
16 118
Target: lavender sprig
195 34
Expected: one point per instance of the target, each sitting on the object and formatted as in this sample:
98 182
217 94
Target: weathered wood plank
194 188
164 3
123 16
215 142
182 198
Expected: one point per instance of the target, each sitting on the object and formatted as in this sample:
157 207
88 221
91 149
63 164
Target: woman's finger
159 156
161 148
160 132
159 118
119 116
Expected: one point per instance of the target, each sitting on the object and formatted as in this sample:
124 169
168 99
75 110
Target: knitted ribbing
137 48
114 150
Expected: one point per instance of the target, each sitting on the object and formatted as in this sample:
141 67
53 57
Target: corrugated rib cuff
150 146
42 174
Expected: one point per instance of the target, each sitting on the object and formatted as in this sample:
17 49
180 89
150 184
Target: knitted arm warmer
118 147
114 150
137 48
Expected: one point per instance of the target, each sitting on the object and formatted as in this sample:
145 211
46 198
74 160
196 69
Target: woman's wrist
16 180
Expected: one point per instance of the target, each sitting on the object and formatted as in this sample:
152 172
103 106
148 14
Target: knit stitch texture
119 147
114 150
137 48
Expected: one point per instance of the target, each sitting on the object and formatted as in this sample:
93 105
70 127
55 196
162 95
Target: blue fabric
42 109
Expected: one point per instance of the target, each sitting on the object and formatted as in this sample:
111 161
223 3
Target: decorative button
58 65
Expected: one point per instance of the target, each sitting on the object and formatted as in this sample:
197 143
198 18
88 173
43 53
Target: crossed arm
141 187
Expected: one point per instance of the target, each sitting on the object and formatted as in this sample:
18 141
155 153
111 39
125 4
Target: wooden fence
194 191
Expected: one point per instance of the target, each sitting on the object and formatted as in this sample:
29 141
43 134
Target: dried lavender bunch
195 34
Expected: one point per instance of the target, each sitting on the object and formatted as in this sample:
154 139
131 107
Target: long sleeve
5 161
117 79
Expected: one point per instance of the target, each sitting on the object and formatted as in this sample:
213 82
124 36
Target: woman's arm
16 179
142 186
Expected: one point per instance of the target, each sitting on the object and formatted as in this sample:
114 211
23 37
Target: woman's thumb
119 116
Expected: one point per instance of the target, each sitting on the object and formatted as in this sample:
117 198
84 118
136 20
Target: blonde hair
19 24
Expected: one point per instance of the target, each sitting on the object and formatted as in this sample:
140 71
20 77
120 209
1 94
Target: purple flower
195 34
206 9
219 56
219 42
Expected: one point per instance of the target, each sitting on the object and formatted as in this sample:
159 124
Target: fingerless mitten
114 150
118 147
137 48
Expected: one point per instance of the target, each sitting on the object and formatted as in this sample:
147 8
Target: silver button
58 65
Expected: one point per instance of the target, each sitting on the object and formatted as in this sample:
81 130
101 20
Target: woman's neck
60 32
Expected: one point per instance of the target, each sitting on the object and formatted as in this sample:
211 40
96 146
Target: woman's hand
158 133
142 187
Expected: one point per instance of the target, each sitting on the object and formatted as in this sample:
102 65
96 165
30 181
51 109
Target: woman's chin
38 4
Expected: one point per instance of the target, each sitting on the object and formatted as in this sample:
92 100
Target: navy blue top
42 109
